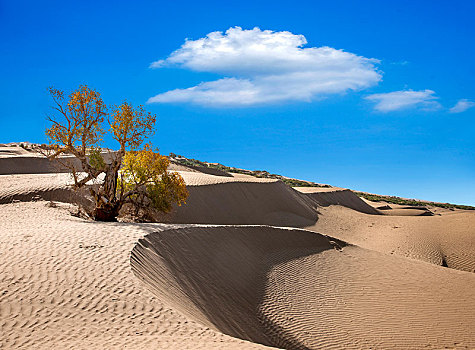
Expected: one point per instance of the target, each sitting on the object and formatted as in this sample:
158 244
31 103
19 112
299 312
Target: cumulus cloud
405 99
461 106
262 66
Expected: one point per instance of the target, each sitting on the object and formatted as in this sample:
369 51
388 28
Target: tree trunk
107 206
110 181
106 212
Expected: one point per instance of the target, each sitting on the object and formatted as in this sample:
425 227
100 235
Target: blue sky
392 113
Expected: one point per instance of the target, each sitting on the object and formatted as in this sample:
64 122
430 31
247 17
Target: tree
77 129
145 178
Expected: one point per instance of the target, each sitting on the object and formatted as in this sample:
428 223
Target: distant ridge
303 183
24 158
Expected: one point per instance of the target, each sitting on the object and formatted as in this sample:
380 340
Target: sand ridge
66 283
447 239
298 290
232 257
18 160
224 200
337 196
69 283
213 199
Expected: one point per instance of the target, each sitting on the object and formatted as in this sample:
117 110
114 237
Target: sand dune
201 169
392 209
298 290
68 283
213 199
443 240
33 165
447 239
16 160
223 200
49 187
337 196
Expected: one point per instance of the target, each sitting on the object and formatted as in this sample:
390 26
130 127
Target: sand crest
447 239
337 196
66 282
300 290
224 200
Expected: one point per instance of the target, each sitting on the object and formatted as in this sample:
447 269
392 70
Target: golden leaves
77 128
147 170
131 126
78 120
144 166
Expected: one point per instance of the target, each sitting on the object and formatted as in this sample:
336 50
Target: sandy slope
212 199
337 196
299 290
448 238
445 239
17 160
228 200
68 283
392 209
27 187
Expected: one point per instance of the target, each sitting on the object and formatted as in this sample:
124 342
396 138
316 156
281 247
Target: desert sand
446 240
246 263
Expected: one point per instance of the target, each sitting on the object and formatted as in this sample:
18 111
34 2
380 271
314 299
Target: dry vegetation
256 173
410 202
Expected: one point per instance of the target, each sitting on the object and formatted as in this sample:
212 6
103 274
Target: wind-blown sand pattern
337 196
228 200
67 283
27 187
448 239
299 290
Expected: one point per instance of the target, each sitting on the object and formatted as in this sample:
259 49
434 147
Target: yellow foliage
78 125
132 176
131 126
144 173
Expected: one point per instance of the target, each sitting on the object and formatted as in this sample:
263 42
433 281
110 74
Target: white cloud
461 106
262 66
405 99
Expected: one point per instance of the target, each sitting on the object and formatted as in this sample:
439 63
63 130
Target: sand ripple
66 283
298 290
